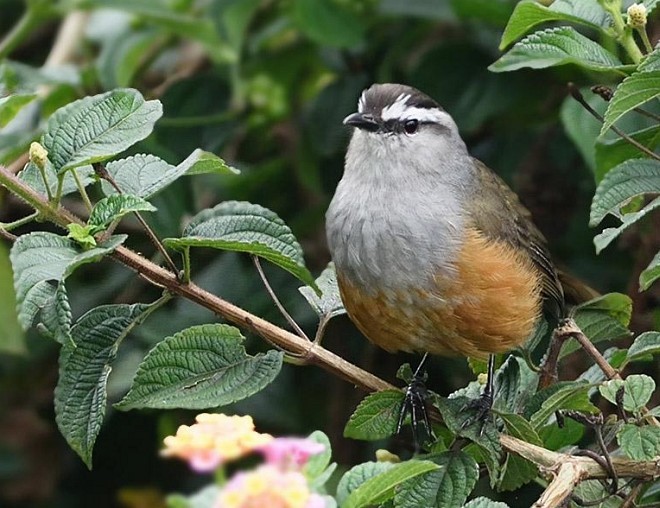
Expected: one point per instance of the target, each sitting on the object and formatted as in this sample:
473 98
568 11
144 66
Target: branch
568 471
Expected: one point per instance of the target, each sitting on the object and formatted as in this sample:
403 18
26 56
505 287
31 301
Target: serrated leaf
357 475
557 46
376 417
145 175
111 208
31 176
80 395
40 257
450 485
380 488
329 304
639 443
11 105
84 235
96 128
529 13
608 235
623 182
650 274
200 367
56 316
328 23
515 383
632 92
638 389
517 471
575 397
246 227
484 502
612 152
648 343
555 438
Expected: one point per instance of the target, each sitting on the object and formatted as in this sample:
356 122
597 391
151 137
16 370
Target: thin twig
575 93
103 173
276 300
548 374
606 93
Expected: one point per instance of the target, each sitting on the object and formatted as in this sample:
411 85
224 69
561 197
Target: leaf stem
186 265
81 190
624 33
8 226
645 39
577 95
276 300
103 173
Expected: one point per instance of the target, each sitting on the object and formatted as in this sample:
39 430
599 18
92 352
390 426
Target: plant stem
645 39
31 18
8 226
81 190
624 33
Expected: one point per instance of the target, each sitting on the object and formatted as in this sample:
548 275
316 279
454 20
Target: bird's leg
414 403
484 404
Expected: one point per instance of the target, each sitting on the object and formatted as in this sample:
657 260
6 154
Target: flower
290 452
268 486
637 16
214 439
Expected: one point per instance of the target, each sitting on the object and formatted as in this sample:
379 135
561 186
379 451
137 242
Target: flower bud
38 155
637 16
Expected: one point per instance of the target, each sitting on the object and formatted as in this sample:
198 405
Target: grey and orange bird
434 253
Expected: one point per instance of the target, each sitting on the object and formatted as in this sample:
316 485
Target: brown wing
498 213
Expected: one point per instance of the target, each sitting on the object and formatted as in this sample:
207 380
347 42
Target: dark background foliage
268 92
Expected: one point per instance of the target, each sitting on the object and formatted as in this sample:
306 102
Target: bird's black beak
362 121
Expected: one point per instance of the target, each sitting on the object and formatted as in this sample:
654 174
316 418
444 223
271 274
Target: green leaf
557 46
111 208
96 128
200 367
632 92
357 476
622 183
650 274
31 176
639 443
121 57
11 105
12 338
80 395
515 382
145 175
450 485
573 396
329 304
56 316
648 343
608 235
376 417
484 502
318 463
638 389
380 488
555 438
84 235
517 471
612 152
40 257
246 227
530 13
328 23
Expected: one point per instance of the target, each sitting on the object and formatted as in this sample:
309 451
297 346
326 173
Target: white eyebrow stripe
414 113
395 109
361 102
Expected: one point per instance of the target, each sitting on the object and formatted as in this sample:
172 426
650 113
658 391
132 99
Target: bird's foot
414 404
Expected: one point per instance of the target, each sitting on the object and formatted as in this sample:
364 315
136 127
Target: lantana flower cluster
278 483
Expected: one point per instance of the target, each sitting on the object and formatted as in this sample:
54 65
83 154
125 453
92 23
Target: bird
433 251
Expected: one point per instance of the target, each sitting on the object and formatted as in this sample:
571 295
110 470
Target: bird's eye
410 126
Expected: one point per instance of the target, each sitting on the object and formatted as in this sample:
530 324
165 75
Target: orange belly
490 305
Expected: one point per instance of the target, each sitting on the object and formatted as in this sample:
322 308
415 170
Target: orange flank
490 305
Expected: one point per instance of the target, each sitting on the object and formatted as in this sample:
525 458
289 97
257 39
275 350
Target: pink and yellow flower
213 440
268 486
290 452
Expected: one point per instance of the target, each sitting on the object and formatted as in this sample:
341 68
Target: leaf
200 367
121 58
246 227
12 338
635 90
380 488
557 46
84 235
608 235
612 152
529 13
204 498
515 382
639 443
622 183
449 485
648 343
12 104
96 128
40 257
145 175
329 303
319 462
650 274
574 396
638 389
56 316
80 395
484 502
31 176
517 471
328 23
376 417
111 208
356 476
